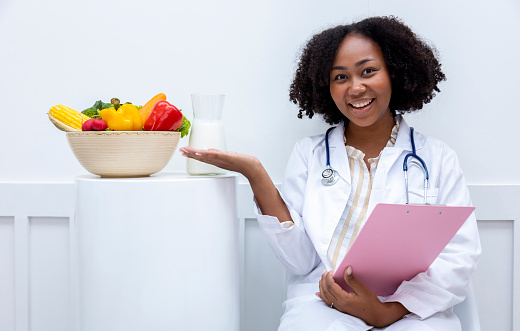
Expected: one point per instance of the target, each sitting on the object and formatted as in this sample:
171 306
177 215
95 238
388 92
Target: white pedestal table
157 253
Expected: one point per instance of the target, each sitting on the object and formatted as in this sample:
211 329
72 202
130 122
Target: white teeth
362 104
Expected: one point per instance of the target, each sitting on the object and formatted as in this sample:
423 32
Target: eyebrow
358 64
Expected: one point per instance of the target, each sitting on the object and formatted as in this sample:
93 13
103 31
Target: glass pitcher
207 131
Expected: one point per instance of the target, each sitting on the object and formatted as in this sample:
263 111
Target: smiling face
360 83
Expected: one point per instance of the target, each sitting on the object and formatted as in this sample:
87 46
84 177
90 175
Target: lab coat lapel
390 162
403 138
402 143
338 158
333 199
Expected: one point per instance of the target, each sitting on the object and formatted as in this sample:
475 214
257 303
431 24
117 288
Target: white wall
76 52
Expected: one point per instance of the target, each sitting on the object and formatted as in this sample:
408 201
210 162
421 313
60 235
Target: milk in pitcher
207 131
206 135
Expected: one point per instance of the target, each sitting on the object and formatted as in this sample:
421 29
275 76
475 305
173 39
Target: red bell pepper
163 117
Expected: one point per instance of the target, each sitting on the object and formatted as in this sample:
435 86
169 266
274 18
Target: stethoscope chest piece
329 176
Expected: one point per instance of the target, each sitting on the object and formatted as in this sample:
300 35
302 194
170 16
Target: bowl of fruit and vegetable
120 139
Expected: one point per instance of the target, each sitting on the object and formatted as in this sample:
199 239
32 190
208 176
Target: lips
361 105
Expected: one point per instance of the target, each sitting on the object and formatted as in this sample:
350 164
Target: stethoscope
329 176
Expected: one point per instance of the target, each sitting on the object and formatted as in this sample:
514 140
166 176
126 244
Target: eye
340 77
368 71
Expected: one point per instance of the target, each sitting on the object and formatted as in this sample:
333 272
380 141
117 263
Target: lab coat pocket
417 195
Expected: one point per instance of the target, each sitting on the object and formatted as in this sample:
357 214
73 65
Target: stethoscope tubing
327 146
417 158
331 176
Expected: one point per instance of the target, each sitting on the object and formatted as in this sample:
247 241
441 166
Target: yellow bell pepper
126 118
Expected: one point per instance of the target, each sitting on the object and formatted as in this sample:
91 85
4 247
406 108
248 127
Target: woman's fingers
212 156
332 293
196 153
358 287
362 303
325 294
231 161
333 288
322 293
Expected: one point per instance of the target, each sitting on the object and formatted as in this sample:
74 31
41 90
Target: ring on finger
332 305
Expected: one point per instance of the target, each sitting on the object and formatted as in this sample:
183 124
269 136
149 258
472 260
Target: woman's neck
371 139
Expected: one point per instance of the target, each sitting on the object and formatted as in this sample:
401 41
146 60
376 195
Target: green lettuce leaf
185 127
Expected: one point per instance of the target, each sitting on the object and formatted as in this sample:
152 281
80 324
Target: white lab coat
316 210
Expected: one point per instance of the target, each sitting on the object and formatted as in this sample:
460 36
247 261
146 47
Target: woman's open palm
232 161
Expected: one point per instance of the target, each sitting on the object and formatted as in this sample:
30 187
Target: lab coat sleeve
291 244
443 285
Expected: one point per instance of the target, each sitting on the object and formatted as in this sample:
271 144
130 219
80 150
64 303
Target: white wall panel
21 266
49 274
498 213
264 282
7 285
494 277
35 237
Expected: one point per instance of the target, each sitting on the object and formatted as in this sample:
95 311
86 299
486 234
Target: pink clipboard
399 241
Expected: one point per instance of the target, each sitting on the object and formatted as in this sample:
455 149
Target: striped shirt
355 213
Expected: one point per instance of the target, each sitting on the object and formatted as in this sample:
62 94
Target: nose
357 87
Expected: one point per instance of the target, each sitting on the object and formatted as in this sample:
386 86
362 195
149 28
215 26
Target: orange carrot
147 108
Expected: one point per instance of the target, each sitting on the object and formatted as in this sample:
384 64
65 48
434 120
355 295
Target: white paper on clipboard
399 241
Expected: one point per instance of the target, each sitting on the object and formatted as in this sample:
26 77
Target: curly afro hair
414 69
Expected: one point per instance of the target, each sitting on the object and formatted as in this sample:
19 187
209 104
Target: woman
360 77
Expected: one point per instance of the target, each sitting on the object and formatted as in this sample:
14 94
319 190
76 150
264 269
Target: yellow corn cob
60 125
68 116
